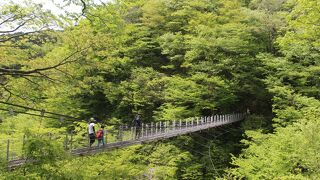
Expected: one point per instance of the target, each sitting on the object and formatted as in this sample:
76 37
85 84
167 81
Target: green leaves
288 152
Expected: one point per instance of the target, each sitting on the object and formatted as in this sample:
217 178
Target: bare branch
13 94
5 71
15 29
49 78
65 73
38 85
9 19
14 46
84 7
20 35
104 4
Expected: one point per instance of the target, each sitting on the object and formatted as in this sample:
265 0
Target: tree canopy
166 60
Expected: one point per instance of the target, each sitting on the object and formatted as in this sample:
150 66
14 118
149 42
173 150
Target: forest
165 60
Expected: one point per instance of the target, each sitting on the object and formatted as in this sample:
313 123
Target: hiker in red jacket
100 136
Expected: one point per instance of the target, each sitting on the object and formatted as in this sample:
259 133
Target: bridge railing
12 149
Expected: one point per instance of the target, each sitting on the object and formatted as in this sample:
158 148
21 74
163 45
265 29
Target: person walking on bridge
100 136
91 131
137 124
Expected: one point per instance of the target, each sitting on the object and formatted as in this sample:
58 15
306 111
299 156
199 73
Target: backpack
99 134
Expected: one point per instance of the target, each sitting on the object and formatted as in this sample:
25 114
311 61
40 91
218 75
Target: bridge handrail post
66 142
197 121
180 124
142 130
156 127
186 123
8 150
151 128
121 133
71 139
192 122
165 126
88 140
24 143
206 120
217 119
174 125
147 130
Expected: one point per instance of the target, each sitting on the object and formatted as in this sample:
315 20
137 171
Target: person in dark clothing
137 125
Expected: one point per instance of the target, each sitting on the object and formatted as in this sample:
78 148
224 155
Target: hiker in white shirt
91 131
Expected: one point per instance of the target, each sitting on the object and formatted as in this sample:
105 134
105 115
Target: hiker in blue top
137 124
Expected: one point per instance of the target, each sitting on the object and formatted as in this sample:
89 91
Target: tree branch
84 7
5 71
15 29
9 19
13 94
19 35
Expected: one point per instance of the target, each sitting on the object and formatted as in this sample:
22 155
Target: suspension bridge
127 136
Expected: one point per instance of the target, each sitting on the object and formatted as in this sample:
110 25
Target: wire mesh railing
12 148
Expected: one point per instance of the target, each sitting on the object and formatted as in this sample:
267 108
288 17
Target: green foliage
290 152
41 155
166 60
